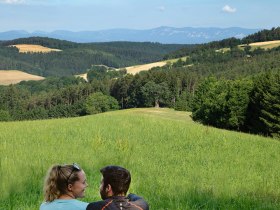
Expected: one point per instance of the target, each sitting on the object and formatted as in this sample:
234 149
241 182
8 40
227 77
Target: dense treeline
246 105
262 36
54 98
264 106
76 58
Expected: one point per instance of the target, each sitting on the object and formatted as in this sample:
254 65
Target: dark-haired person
63 185
113 188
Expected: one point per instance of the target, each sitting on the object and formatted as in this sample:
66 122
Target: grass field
8 77
176 164
33 48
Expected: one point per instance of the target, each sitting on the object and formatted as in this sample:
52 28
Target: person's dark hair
119 178
57 180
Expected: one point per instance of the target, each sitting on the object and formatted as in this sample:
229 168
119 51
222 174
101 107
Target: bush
4 115
98 102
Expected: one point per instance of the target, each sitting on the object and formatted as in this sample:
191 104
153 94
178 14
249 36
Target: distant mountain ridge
165 35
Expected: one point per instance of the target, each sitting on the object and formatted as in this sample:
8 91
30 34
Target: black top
131 202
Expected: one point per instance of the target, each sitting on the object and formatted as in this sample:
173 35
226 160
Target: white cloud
161 8
229 9
12 1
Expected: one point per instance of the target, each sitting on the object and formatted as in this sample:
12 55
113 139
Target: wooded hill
77 58
236 89
261 36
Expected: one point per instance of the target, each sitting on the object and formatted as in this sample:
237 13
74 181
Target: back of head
119 178
57 180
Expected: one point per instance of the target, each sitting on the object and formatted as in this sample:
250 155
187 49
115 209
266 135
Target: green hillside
175 163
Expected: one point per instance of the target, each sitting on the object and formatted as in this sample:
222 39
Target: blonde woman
63 185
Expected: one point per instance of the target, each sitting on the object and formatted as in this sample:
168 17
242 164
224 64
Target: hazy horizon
125 29
96 15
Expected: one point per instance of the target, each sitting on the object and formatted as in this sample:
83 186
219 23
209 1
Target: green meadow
176 164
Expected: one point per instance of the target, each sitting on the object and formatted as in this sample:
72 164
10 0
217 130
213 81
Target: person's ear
69 187
108 188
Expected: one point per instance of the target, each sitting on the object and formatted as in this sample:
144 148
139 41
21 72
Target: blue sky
80 15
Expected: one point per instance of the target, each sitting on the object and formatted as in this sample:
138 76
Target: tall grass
175 163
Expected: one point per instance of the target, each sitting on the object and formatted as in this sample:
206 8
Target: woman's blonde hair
57 180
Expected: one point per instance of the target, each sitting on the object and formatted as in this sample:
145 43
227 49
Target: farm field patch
32 48
8 77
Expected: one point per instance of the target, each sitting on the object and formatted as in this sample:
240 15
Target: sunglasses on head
75 167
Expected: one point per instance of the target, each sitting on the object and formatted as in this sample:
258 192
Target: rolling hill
175 163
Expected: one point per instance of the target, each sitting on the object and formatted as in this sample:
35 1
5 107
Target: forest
237 89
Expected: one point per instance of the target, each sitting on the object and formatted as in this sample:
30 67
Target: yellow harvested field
32 48
264 45
8 77
144 67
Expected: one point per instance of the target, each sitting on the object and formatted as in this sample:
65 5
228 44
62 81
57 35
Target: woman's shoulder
69 204
44 206
80 203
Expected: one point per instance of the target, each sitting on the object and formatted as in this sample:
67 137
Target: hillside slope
175 163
